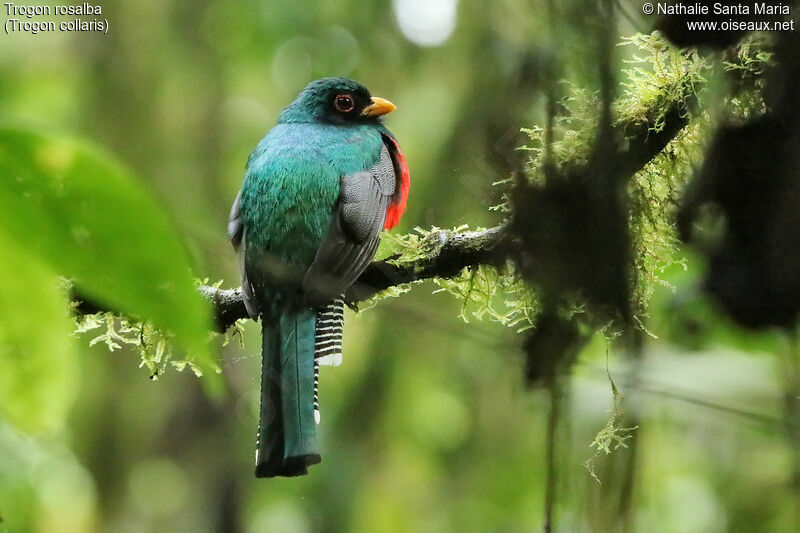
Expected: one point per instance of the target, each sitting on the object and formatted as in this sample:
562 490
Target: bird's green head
336 101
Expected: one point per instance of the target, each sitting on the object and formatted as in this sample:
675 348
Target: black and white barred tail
316 391
327 343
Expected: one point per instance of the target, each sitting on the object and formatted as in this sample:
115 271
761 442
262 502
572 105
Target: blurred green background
428 425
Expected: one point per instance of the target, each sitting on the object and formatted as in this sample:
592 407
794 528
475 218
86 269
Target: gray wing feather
235 225
236 234
353 236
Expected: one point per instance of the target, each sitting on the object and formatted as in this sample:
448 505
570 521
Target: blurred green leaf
38 378
91 220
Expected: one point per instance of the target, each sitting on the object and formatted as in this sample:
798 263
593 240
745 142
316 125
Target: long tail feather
287 442
269 442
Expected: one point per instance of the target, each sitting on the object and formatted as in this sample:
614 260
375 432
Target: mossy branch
447 253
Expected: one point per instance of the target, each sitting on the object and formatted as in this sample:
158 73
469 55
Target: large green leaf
38 370
92 221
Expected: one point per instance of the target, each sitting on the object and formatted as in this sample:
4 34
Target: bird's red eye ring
344 103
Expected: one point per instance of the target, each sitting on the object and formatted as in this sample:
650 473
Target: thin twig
553 418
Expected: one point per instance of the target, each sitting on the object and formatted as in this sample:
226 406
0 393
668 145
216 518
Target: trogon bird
318 191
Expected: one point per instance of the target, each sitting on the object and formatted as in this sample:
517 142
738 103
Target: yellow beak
378 107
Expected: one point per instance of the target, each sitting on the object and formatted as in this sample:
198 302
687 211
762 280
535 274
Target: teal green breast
292 184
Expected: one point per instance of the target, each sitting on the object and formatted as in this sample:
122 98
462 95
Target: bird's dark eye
344 103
